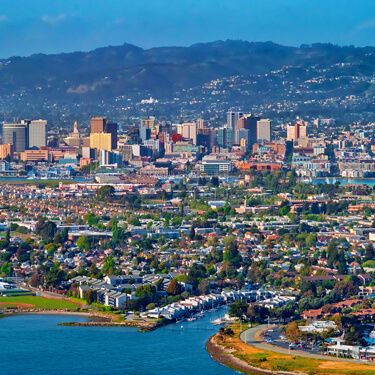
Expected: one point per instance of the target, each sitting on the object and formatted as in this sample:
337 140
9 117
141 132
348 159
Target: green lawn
38 303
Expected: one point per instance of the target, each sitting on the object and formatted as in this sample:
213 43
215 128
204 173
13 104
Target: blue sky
51 26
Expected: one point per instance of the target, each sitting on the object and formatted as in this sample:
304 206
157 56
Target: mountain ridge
129 71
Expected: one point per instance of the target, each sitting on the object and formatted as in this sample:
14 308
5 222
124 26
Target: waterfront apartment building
37 130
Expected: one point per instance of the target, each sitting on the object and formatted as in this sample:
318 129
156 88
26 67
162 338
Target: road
253 337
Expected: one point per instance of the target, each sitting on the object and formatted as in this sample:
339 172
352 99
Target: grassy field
30 302
273 361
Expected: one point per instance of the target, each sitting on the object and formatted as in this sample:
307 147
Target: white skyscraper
232 118
264 130
37 133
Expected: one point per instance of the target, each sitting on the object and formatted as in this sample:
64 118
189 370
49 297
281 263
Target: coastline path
253 336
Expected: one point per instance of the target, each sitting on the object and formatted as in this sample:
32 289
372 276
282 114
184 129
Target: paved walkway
253 337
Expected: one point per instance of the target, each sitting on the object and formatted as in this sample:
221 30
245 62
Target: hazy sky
31 26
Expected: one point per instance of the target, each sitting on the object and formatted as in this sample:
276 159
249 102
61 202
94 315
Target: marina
123 351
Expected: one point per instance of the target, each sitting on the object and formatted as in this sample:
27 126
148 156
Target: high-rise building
225 137
188 130
98 125
248 122
144 133
201 124
148 122
101 141
16 134
264 130
111 127
89 153
232 118
243 138
297 132
37 130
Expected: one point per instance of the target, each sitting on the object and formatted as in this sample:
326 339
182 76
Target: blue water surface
35 344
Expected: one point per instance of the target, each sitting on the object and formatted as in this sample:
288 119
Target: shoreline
232 351
219 354
95 319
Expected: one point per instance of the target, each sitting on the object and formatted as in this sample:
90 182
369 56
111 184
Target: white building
37 133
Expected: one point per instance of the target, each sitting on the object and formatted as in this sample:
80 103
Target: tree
83 243
174 288
90 296
292 332
231 256
61 236
119 235
238 309
346 287
204 286
6 269
91 219
105 193
257 313
46 229
55 276
36 280
109 266
369 252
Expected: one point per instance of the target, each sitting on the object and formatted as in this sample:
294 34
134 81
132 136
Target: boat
217 322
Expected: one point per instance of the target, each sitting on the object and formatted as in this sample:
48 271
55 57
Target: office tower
111 127
248 122
6 150
16 134
101 141
297 132
206 137
188 130
225 137
110 158
201 124
98 125
89 153
264 130
146 127
148 122
144 133
232 118
37 133
244 138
